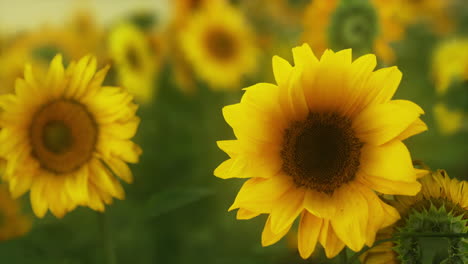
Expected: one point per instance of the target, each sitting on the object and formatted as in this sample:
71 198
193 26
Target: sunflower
64 137
219 45
441 206
318 144
131 51
36 48
12 222
363 25
450 74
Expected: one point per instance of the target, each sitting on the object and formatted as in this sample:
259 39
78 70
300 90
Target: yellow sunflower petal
269 237
244 214
309 230
380 214
391 161
286 209
38 201
317 203
281 70
350 220
257 194
383 84
387 186
330 241
120 169
415 128
381 123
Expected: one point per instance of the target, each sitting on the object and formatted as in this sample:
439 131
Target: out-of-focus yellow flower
365 26
12 222
449 121
450 62
136 64
441 206
450 73
64 137
219 45
435 13
317 145
36 48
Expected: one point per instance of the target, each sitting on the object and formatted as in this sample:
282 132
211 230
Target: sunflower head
219 45
440 207
136 64
319 144
64 137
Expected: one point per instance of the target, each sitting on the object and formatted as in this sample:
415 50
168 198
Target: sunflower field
234 131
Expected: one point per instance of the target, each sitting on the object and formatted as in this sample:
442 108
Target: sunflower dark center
221 44
322 152
132 58
57 136
63 136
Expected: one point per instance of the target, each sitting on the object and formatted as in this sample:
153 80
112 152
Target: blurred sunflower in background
319 144
366 26
64 137
219 45
441 207
13 223
450 74
181 15
136 66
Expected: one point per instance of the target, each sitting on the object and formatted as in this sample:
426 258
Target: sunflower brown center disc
132 58
63 136
221 44
322 152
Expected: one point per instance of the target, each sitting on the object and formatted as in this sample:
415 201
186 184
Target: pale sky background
29 14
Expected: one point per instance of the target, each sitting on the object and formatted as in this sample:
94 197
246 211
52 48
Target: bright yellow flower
365 26
318 144
135 62
64 137
36 48
12 222
219 45
449 198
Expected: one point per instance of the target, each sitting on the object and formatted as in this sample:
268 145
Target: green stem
344 257
108 245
